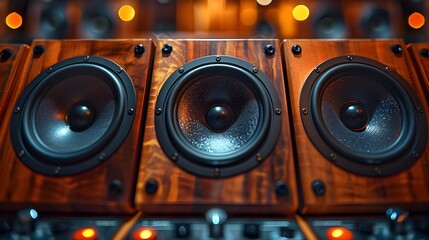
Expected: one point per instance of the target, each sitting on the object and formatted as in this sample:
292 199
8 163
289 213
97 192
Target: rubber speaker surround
223 80
40 132
387 98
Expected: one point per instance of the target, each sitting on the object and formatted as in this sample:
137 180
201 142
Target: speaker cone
217 113
73 115
363 116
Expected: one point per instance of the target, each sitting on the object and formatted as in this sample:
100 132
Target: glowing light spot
248 16
85 234
416 20
14 20
264 2
126 13
144 234
339 233
300 12
88 233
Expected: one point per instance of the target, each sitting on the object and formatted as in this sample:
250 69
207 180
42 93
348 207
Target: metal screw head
17 109
259 157
420 109
388 69
269 50
255 70
167 48
86 59
377 171
350 58
216 172
175 156
49 70
304 111
181 70
296 49
318 187
278 111
424 52
151 186
280 188
115 187
139 50
130 111
158 111
218 58
120 70
5 54
57 171
396 49
38 51
317 70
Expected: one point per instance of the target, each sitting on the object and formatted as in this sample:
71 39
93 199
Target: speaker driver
217 112
376 24
53 21
73 115
363 116
98 21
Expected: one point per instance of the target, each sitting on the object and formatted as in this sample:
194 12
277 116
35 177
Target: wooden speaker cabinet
217 130
360 126
74 138
420 57
12 58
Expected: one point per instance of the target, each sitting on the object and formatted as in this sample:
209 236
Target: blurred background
25 20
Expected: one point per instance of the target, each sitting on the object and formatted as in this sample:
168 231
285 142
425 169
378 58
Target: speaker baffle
73 115
363 116
215 116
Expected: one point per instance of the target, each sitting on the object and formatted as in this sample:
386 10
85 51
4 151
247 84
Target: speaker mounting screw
318 187
269 50
317 70
49 70
396 49
415 154
115 187
181 70
280 188
332 156
304 111
130 111
102 156
255 70
17 109
167 49
158 111
420 109
350 58
21 153
38 51
139 50
86 59
216 172
424 52
175 156
57 171
218 58
388 69
259 157
151 186
120 70
278 111
5 54
296 49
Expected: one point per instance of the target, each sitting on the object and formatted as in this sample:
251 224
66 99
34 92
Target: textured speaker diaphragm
73 115
217 112
363 116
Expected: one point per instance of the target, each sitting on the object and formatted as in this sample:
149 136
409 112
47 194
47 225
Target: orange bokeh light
85 234
339 233
14 20
144 234
416 20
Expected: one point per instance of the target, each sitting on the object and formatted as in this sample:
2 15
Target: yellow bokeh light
248 16
14 20
126 13
88 233
264 2
300 12
337 233
416 20
146 234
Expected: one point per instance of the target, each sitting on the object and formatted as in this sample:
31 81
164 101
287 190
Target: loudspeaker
217 130
74 138
373 19
12 58
360 126
420 57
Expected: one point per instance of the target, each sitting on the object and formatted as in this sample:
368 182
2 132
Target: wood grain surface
346 192
10 70
421 65
87 191
250 193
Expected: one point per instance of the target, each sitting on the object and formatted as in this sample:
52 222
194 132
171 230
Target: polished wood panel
347 192
10 70
249 193
421 65
87 191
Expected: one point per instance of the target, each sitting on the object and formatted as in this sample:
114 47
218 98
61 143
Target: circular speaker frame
402 151
218 164
40 128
